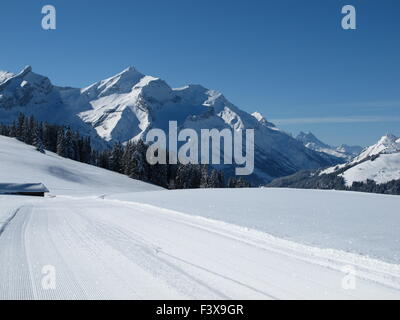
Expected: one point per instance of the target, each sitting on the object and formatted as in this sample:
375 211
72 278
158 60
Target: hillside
20 163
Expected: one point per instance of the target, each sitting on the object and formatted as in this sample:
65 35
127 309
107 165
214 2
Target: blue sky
287 59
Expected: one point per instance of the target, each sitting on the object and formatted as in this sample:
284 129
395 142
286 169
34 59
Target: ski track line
15 276
102 268
369 273
7 222
131 240
45 252
129 250
158 213
135 249
94 246
21 260
275 269
140 234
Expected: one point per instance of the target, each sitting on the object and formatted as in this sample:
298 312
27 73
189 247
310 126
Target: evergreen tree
69 144
20 127
61 150
37 140
127 163
188 176
116 158
104 159
214 180
140 164
158 173
204 179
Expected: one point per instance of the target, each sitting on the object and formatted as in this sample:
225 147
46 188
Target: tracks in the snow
7 222
15 275
113 250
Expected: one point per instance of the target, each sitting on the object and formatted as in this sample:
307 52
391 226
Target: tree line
128 159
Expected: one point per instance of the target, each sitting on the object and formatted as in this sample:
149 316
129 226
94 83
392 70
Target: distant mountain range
375 169
344 151
124 107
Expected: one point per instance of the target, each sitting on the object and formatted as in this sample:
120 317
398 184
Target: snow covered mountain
33 94
376 169
127 105
344 151
379 162
388 144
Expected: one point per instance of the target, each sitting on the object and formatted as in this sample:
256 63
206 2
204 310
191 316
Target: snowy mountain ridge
375 170
126 106
388 144
343 151
379 162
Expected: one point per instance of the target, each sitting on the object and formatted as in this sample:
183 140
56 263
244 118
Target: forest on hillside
129 159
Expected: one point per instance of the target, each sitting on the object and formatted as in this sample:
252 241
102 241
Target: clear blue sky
288 59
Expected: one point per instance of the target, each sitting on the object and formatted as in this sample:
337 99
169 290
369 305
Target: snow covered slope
344 151
124 107
20 163
105 240
388 144
379 162
110 249
366 224
381 170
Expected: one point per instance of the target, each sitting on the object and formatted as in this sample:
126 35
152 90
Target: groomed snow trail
109 249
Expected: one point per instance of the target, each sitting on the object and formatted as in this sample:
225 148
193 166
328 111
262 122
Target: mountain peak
309 137
388 138
306 134
122 82
129 70
344 152
26 69
388 144
25 88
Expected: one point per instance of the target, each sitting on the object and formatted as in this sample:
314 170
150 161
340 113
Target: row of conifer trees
129 159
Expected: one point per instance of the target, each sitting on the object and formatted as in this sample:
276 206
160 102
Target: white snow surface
386 145
383 169
106 240
366 224
104 249
20 163
379 162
